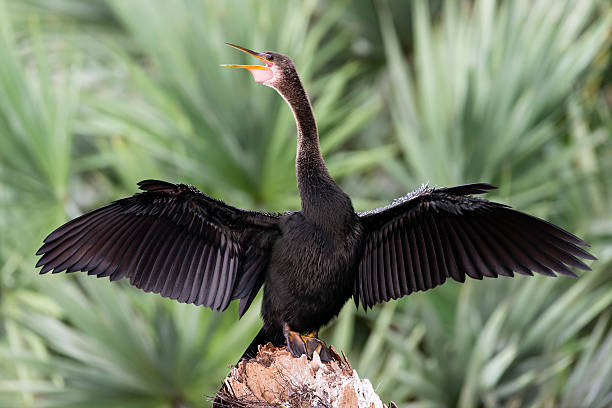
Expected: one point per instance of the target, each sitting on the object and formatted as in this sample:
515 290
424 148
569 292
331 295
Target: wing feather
484 247
188 285
409 260
387 270
369 263
204 274
479 267
172 240
165 282
420 239
459 249
540 250
380 272
438 249
221 280
359 290
425 257
119 246
393 264
184 270
401 262
449 252
416 260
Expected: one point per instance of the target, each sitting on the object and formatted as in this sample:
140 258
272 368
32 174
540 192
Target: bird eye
270 57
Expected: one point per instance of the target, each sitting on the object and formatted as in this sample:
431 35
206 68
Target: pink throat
261 75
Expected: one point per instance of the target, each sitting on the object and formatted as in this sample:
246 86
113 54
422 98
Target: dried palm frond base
274 378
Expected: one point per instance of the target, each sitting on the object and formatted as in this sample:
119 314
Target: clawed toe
300 345
295 344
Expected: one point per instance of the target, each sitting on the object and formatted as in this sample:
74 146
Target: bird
175 240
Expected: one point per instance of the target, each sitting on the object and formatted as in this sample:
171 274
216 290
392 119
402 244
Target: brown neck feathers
314 181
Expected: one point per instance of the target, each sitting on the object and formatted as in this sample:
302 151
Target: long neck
314 182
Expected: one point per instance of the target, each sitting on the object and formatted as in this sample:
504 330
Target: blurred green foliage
96 95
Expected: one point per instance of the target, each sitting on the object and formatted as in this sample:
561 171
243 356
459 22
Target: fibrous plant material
274 378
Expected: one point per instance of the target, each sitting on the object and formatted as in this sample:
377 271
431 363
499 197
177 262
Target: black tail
263 337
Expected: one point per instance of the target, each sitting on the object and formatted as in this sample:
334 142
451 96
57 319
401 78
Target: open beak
260 73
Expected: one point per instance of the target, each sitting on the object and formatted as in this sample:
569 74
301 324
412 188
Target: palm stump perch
174 240
275 378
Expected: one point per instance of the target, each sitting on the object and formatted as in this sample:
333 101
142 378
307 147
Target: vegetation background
97 95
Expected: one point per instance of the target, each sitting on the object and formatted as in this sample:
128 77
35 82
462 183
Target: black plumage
177 241
432 234
172 240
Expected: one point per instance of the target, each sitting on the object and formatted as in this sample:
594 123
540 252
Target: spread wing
172 240
421 239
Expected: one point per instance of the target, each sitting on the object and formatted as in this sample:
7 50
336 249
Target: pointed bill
260 73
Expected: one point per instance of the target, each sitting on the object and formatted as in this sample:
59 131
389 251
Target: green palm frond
484 96
511 340
36 118
590 383
112 347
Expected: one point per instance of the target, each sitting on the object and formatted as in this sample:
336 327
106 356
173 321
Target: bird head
276 66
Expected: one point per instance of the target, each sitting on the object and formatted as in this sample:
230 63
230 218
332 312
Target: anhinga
174 240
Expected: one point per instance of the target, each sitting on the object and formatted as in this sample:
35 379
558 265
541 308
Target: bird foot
299 344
